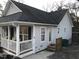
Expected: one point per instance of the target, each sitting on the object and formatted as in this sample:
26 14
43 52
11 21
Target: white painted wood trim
33 39
26 54
7 40
43 34
8 36
17 40
26 50
25 41
26 23
9 52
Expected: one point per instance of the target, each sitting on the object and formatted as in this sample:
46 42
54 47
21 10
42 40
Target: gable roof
31 14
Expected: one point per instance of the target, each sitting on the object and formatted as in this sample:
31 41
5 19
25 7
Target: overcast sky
40 4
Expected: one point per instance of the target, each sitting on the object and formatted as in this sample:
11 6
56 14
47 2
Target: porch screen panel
25 46
4 39
12 45
4 43
5 32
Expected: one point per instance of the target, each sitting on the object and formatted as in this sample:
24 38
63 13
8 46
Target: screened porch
17 39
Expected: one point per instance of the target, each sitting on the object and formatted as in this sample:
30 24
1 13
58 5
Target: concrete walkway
40 55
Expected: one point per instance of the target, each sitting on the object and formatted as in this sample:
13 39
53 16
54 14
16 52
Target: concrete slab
40 55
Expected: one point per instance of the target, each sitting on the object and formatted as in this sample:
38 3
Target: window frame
43 34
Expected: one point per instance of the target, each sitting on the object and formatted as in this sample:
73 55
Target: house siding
13 9
65 28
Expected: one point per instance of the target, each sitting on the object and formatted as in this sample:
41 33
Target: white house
26 30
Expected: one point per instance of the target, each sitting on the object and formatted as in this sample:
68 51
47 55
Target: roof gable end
10 8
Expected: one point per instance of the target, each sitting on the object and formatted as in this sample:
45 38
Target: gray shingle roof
31 14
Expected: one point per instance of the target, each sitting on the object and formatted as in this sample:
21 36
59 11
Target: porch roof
31 14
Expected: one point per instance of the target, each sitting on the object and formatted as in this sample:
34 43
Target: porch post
17 41
8 36
33 39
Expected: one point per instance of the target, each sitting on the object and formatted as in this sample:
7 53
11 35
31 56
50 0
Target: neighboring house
27 30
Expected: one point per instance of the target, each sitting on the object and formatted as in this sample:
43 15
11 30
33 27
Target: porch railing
8 44
4 43
12 45
25 46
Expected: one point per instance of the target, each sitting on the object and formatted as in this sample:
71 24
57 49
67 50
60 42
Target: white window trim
43 34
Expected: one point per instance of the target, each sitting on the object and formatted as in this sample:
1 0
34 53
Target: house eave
25 23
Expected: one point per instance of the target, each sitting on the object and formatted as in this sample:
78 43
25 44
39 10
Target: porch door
54 34
44 37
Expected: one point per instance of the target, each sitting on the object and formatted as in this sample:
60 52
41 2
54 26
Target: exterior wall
13 9
65 26
40 45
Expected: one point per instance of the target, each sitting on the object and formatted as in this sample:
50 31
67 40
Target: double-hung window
42 34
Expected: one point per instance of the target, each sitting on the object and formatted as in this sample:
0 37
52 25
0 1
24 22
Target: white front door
53 35
41 38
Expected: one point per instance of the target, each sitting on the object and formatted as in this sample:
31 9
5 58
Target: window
58 30
5 32
25 33
64 29
42 34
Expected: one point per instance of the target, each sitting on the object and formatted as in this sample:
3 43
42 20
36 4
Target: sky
40 4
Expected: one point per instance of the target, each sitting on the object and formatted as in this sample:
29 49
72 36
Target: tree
73 9
77 0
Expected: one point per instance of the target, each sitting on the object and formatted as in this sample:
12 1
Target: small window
42 34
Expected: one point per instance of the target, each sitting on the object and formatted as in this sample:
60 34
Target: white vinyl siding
13 9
